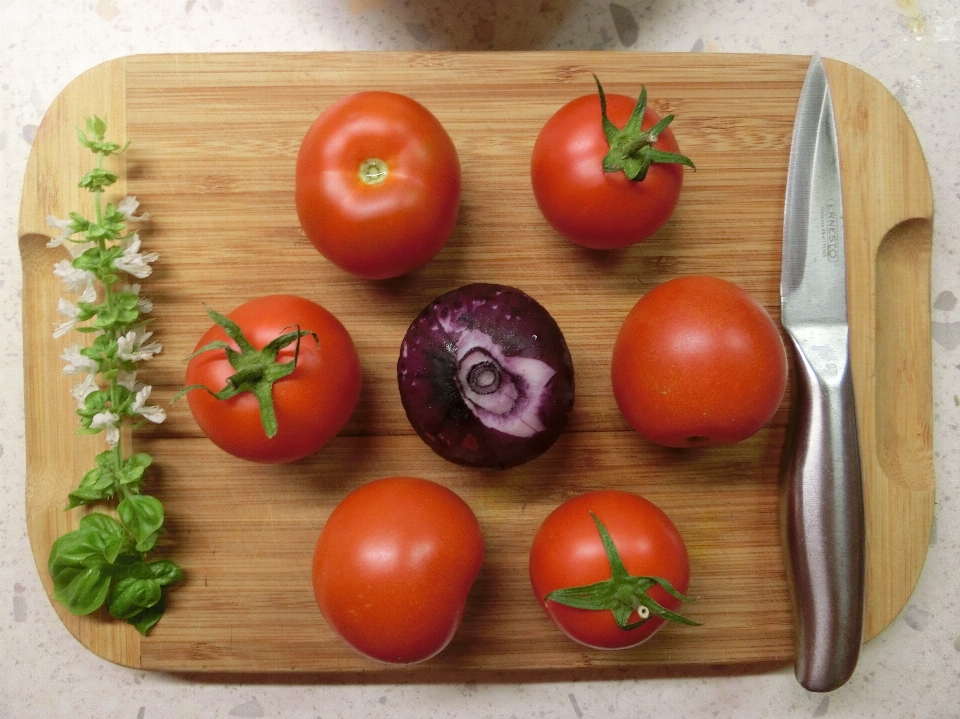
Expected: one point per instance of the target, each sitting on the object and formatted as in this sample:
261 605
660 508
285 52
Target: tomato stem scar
373 171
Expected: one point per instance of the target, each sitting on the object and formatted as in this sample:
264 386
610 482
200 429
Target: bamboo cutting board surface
214 140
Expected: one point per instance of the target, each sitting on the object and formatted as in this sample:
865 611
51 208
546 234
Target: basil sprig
105 561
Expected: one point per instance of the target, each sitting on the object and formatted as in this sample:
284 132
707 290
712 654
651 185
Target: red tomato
584 203
568 552
377 184
393 567
698 361
312 404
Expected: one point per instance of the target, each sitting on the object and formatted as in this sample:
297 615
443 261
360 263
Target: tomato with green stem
610 569
377 184
607 170
274 380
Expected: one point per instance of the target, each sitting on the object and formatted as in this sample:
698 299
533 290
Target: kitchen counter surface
912 669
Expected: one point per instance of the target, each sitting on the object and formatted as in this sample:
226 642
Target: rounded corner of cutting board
77 91
98 90
103 636
857 87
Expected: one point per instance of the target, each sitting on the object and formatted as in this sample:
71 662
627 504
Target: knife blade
822 481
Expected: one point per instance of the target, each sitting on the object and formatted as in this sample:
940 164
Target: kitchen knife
823 503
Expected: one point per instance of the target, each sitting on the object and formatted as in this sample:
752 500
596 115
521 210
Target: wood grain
214 142
888 216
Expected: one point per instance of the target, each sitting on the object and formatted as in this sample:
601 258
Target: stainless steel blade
824 516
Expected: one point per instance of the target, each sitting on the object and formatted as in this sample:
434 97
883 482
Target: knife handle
825 515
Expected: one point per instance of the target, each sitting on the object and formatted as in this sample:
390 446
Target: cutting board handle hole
903 357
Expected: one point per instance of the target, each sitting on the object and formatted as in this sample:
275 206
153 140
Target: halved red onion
485 376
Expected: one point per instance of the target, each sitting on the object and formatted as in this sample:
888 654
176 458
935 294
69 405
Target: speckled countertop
912 46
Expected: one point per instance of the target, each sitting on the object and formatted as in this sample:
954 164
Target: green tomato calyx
256 370
623 594
632 149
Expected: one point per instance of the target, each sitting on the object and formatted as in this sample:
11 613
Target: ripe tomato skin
698 362
567 552
593 208
377 231
312 404
393 567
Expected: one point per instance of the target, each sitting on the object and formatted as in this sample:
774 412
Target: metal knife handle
825 515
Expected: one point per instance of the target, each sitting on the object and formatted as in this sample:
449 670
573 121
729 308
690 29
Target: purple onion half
485 377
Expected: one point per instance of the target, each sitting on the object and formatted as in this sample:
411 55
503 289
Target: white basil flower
89 295
63 226
77 362
128 206
152 413
75 280
81 391
71 312
108 421
129 380
133 261
133 346
143 304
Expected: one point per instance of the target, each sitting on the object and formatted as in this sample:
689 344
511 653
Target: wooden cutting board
213 145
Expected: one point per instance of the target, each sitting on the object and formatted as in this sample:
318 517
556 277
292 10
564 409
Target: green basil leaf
146 619
107 318
127 300
75 552
95 545
87 310
84 548
84 592
127 563
86 495
106 459
97 179
103 345
78 224
142 515
97 126
148 542
104 524
131 473
139 570
112 548
130 596
96 485
89 259
96 401
165 571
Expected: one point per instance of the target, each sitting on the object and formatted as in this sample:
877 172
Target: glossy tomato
698 361
377 184
585 193
310 405
603 597
393 567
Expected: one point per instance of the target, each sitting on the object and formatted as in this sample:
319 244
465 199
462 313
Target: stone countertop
912 46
